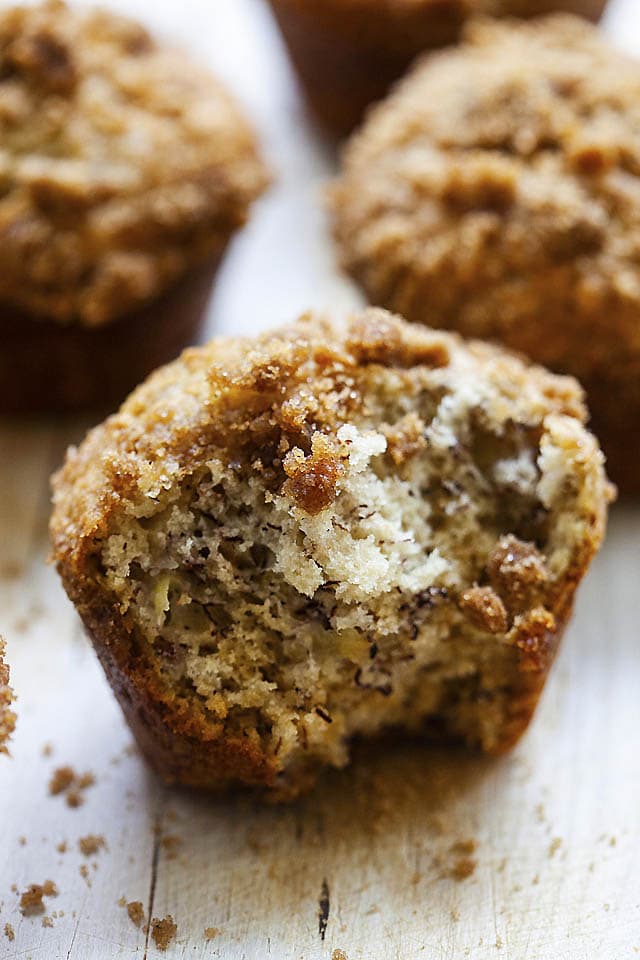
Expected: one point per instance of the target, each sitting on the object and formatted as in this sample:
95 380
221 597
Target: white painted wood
557 823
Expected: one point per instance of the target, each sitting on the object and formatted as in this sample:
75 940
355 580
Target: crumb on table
464 864
91 844
163 931
31 901
135 911
65 780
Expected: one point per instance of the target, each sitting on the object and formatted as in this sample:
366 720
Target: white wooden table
557 823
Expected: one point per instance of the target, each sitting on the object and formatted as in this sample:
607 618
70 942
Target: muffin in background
284 542
124 171
348 52
497 192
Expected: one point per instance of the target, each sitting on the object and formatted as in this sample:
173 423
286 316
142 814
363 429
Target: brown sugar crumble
516 570
313 480
91 844
485 609
31 901
61 780
163 931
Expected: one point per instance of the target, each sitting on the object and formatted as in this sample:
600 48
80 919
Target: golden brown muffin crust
7 717
122 164
277 416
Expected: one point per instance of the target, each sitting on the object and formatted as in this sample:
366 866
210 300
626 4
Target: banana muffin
497 192
348 52
124 171
7 718
280 544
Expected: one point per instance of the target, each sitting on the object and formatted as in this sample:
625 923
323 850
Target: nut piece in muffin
497 192
348 52
279 544
7 717
124 171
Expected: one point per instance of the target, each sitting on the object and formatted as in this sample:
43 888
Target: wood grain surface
412 852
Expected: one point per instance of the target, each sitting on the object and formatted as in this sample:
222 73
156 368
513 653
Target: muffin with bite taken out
279 544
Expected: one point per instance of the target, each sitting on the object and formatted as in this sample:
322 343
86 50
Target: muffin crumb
135 910
61 780
91 844
31 901
171 844
464 864
65 780
163 931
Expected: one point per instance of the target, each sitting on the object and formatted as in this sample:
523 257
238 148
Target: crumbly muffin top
122 164
258 403
497 191
7 718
